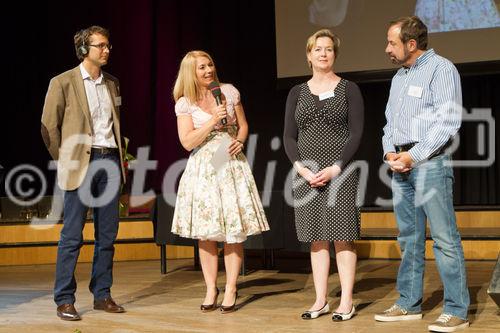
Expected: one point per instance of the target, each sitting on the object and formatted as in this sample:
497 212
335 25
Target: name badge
415 91
118 100
326 95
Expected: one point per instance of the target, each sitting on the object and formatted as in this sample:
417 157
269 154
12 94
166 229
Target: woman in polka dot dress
323 128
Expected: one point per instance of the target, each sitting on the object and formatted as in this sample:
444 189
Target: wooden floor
270 301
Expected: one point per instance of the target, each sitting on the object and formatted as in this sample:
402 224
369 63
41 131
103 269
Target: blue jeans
426 192
99 190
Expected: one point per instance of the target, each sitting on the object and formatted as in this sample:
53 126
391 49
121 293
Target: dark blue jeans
99 190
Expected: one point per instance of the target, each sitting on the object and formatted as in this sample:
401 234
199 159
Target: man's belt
408 146
104 150
405 147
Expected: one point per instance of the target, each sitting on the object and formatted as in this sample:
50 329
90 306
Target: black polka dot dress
324 135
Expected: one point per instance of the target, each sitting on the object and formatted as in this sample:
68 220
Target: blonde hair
186 83
311 41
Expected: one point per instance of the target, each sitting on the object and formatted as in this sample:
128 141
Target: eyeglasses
102 46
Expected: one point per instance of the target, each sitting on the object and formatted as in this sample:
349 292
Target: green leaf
126 141
126 156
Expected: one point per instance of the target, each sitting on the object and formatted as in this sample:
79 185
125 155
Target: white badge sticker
326 95
118 100
415 91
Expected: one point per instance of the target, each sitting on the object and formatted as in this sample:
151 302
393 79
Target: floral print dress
222 205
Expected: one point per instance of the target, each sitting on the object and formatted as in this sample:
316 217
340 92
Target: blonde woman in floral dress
220 205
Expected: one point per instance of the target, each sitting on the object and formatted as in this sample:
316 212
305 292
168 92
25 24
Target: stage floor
270 300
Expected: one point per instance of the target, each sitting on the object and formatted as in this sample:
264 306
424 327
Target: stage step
389 249
465 219
465 233
23 244
479 230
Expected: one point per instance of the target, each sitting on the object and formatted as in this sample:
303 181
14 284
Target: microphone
217 93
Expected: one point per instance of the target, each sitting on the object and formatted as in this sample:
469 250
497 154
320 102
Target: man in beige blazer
81 129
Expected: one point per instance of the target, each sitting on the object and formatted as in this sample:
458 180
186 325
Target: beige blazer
67 125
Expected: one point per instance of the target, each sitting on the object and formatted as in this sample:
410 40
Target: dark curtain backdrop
479 186
149 40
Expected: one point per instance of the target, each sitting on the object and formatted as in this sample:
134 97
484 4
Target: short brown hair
81 39
311 41
412 28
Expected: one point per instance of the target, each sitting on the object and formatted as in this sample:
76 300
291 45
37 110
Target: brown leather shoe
67 312
108 305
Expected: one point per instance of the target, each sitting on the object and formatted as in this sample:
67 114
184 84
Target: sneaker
448 323
397 313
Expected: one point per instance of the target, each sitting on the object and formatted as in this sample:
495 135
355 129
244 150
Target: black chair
279 218
162 216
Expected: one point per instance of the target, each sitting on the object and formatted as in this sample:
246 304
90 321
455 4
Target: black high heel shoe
210 307
230 308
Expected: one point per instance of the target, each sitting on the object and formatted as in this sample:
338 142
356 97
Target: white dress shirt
99 101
